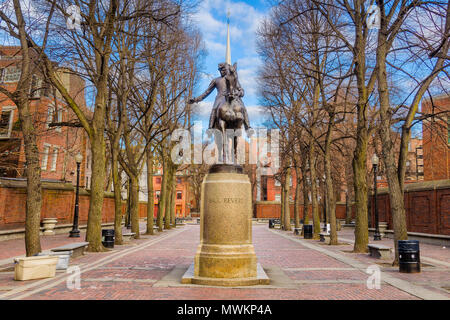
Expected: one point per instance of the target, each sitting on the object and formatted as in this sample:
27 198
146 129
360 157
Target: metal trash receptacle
408 256
108 238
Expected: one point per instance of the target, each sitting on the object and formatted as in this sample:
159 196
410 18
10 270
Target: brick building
436 138
182 197
57 145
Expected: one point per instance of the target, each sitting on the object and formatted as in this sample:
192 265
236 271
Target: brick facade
427 206
436 134
57 145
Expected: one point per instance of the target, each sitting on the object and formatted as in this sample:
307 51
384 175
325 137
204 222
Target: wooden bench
77 248
379 251
324 237
128 236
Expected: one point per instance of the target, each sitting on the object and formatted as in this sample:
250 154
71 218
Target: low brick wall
427 206
272 210
58 201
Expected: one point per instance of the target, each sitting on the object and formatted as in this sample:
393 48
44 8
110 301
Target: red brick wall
57 202
436 155
265 210
427 207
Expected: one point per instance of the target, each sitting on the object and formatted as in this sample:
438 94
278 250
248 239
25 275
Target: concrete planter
63 258
38 267
49 224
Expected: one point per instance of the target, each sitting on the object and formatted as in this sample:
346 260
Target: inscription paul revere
226 200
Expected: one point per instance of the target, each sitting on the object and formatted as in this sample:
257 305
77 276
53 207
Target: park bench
324 237
379 251
77 248
128 236
298 231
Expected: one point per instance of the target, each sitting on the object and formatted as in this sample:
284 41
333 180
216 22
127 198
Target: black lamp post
75 233
375 160
129 205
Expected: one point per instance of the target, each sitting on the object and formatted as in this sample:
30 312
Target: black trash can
409 256
271 223
308 231
108 238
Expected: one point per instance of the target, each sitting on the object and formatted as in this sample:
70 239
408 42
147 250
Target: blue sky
245 17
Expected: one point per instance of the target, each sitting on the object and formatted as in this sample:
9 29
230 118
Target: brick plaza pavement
151 268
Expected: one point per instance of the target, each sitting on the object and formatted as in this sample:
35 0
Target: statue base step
260 279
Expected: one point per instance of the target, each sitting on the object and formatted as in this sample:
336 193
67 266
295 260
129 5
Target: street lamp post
375 160
75 233
129 205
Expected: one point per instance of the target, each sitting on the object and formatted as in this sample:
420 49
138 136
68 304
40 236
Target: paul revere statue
229 94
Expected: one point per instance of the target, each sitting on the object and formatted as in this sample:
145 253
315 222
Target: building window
178 180
278 197
179 195
50 113
158 180
277 183
157 194
11 74
54 159
6 120
59 118
45 157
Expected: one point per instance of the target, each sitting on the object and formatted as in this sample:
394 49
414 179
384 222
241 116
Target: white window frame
277 183
59 113
54 163
50 113
6 73
11 118
44 161
278 197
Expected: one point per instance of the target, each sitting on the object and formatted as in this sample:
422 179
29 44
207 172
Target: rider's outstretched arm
208 91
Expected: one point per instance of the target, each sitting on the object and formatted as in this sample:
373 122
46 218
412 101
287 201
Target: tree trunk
34 189
282 204
331 203
134 206
315 207
168 191
287 205
360 187
305 197
348 208
395 189
172 203
94 227
150 197
117 197
297 201
162 198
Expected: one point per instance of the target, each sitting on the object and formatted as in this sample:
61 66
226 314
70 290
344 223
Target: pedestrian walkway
151 268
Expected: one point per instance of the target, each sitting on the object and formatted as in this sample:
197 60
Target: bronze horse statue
228 111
